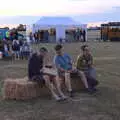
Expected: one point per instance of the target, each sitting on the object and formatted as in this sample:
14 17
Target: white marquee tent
59 23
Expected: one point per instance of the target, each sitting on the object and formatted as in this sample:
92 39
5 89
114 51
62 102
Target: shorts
16 53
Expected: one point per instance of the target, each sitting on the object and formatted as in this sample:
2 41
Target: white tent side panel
60 32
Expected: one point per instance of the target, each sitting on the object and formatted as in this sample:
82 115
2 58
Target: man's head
85 49
58 49
43 51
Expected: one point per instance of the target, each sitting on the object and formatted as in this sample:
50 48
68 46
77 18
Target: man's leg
83 78
68 83
58 81
92 78
92 72
85 81
18 55
51 87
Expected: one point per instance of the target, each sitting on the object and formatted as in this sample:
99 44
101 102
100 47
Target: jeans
91 77
92 72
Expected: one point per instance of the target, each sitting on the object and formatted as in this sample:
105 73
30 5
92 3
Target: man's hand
69 71
42 70
90 63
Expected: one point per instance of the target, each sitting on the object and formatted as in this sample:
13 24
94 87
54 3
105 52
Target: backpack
16 46
26 48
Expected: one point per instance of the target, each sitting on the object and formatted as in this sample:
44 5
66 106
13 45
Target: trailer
110 31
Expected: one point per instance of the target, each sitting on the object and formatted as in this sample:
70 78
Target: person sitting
63 64
85 64
36 72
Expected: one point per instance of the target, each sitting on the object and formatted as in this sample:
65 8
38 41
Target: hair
83 47
58 47
43 49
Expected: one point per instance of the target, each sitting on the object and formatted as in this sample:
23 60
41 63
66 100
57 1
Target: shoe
58 99
90 90
64 98
71 94
95 89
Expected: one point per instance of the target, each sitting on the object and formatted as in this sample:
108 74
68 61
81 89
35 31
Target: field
104 105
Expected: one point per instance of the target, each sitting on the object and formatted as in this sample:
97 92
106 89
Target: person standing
16 49
84 36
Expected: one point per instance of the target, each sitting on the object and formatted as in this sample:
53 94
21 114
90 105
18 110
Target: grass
105 105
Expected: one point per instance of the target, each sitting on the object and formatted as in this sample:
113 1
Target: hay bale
77 83
21 89
9 89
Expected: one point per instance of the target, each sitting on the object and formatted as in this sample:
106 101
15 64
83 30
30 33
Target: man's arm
78 63
57 64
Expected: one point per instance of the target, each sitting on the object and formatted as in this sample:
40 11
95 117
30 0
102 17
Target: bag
15 46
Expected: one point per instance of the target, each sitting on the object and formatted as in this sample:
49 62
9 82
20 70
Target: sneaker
94 89
90 90
71 94
58 99
64 98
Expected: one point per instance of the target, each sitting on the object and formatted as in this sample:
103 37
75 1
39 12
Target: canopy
56 21
59 23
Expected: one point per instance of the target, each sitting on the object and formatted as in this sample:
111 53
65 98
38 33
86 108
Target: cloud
84 11
112 15
56 7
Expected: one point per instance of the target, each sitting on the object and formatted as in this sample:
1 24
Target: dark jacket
35 65
16 46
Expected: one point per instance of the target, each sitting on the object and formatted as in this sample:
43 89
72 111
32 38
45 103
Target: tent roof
57 21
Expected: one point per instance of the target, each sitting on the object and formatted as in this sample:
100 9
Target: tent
59 23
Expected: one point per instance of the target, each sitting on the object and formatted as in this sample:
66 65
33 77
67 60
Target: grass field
105 105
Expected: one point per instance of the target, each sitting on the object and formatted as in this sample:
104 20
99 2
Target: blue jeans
91 72
91 77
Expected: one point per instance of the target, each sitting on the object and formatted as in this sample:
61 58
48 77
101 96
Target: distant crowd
18 49
44 36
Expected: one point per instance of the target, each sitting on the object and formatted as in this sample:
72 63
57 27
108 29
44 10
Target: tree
6 28
21 27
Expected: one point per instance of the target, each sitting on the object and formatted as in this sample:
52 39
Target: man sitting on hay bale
64 67
85 64
36 73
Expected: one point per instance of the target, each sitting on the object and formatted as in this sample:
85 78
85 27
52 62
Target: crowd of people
39 36
18 49
79 35
64 70
44 36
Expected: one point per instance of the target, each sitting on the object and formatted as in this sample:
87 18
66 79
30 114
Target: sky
87 11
